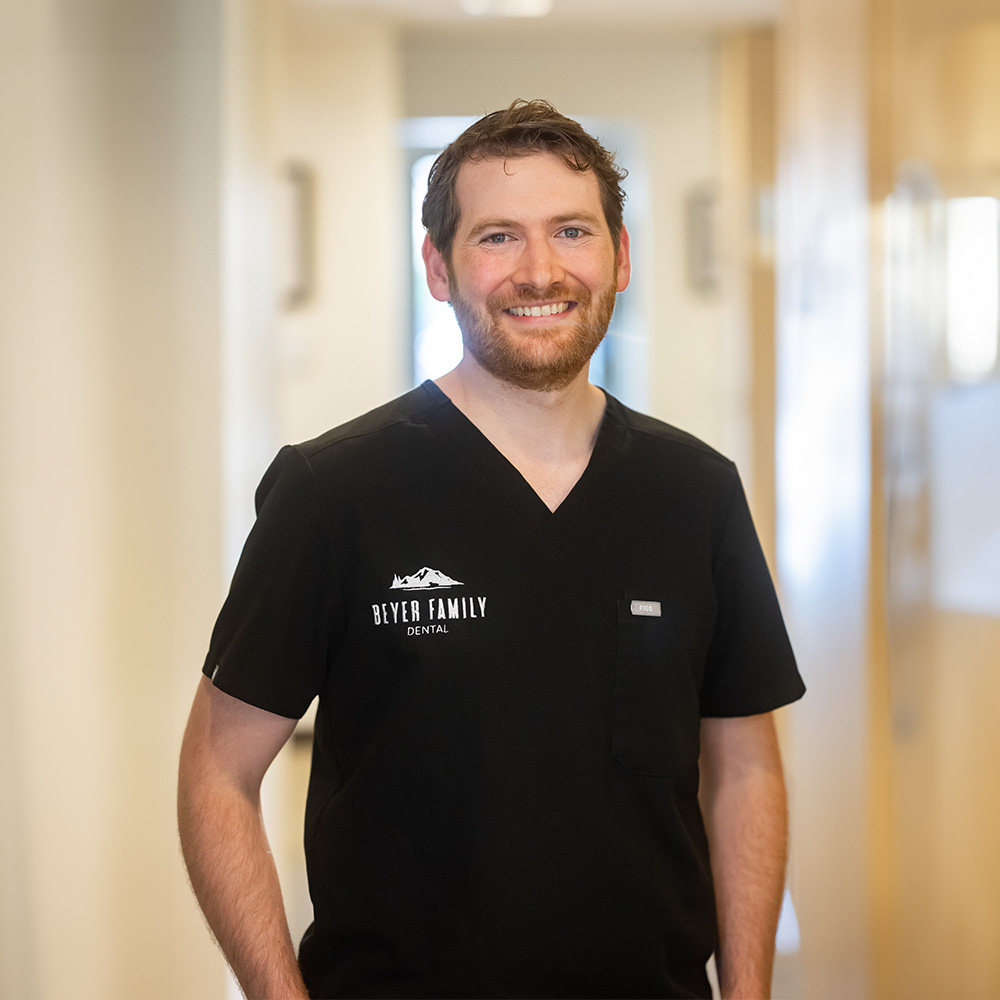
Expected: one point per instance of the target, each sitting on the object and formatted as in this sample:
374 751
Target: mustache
527 296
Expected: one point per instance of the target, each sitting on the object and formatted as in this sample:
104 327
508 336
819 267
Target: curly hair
524 128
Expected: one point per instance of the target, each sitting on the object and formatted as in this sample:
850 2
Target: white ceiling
572 12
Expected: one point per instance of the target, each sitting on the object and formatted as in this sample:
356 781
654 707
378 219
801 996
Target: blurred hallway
801 176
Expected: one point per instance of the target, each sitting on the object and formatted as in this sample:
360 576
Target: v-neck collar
514 489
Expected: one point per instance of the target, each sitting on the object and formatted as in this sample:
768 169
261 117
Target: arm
743 799
228 746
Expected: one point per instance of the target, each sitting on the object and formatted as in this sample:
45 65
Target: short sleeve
270 645
750 667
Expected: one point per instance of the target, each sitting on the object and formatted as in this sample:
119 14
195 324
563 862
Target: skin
531 232
228 746
743 800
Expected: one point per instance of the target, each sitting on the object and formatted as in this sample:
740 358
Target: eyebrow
487 224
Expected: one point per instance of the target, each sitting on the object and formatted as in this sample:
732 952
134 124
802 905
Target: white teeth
553 310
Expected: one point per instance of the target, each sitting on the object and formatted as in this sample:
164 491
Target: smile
547 310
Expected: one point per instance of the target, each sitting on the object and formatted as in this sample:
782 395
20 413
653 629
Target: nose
539 265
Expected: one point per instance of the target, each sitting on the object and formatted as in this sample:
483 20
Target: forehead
538 186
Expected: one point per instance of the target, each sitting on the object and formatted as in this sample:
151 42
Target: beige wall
937 76
338 102
893 762
823 476
110 372
748 151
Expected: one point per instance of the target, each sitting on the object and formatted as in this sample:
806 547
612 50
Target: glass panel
942 474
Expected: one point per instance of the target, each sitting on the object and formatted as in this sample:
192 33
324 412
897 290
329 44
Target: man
525 610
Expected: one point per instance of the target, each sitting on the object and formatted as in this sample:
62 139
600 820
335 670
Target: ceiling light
507 8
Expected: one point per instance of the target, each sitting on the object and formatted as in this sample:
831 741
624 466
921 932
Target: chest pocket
662 644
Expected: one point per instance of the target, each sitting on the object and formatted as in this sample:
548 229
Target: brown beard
532 360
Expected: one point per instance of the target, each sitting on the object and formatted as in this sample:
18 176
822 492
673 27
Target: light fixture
507 8
973 286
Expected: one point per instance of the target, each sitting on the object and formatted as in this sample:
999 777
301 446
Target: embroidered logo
428 614
424 579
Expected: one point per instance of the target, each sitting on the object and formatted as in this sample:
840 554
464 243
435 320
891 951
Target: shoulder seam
688 441
321 500
314 446
670 433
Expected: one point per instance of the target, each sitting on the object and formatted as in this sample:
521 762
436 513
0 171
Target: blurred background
206 250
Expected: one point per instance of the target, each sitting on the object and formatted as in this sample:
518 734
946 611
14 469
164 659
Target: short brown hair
524 128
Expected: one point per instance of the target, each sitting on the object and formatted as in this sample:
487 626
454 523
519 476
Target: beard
542 358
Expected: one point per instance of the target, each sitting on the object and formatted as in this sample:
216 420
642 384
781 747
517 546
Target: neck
547 436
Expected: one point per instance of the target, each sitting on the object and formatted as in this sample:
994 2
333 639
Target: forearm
227 748
236 883
748 866
743 799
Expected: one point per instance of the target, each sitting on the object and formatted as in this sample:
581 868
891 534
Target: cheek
595 279
481 279
591 266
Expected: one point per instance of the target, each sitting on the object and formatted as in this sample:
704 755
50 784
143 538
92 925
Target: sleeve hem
236 686
767 701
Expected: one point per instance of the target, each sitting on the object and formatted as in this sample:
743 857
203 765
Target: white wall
52 576
110 375
338 102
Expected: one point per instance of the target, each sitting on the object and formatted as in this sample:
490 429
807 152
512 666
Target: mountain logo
424 579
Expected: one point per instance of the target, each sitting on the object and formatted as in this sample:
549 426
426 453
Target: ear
437 271
624 261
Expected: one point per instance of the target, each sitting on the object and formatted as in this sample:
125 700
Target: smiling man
544 641
533 295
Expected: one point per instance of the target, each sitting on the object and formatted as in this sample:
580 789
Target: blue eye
573 232
496 238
